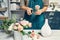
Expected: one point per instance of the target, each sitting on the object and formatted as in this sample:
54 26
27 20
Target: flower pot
18 35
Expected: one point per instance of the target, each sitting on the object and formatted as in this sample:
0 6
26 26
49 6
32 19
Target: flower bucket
18 35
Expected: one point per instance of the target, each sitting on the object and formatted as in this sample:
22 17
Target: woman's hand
38 12
29 11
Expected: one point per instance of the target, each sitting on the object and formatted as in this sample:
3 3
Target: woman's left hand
38 12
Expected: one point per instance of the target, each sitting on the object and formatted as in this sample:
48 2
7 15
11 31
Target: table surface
54 36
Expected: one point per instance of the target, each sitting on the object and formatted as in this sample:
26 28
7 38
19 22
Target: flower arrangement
20 26
11 25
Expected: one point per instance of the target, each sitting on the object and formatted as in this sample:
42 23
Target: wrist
41 10
38 9
28 8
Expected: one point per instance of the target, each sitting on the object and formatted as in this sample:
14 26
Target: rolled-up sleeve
22 3
46 2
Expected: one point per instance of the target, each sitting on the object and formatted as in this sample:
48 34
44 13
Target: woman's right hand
29 11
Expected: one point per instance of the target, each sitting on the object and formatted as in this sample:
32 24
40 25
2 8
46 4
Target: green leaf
23 32
25 26
7 23
29 32
39 33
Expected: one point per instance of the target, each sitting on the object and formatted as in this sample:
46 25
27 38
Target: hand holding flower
38 10
37 7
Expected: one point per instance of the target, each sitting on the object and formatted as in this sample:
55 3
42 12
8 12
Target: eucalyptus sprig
6 23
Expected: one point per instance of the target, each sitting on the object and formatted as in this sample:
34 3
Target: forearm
40 11
44 8
24 7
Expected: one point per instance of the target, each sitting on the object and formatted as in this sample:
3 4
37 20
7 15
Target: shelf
15 2
3 9
3 17
15 10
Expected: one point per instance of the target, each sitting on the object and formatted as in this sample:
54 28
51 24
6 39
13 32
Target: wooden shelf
14 2
3 9
3 17
15 10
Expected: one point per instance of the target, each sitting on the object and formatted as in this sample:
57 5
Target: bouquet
20 26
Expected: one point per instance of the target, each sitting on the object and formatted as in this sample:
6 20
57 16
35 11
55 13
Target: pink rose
24 22
33 35
16 26
20 28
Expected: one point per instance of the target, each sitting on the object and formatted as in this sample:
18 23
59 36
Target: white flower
37 7
17 24
11 27
30 24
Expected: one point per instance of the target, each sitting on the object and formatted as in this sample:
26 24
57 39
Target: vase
18 35
46 30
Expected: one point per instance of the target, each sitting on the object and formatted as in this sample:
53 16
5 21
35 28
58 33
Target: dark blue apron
36 20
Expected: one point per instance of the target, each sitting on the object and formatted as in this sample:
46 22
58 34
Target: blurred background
11 9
